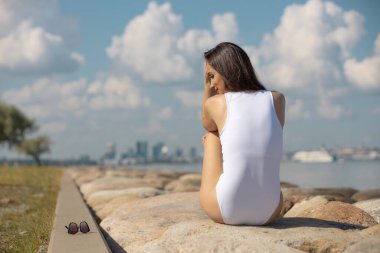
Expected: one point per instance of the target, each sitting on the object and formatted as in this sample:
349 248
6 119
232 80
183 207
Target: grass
28 197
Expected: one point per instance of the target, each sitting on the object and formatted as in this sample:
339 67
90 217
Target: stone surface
174 222
113 205
137 222
293 195
315 220
110 183
285 184
302 206
206 236
368 245
374 230
185 183
371 206
98 199
367 194
339 212
82 176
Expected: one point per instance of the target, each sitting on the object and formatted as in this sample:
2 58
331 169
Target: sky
95 72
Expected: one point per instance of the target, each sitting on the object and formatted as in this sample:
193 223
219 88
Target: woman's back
249 189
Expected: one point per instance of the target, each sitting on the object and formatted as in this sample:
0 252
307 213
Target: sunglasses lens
73 228
84 228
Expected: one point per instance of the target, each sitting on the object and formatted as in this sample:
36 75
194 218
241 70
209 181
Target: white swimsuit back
248 190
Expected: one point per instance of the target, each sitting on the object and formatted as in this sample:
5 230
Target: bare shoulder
218 98
279 104
216 107
216 103
279 98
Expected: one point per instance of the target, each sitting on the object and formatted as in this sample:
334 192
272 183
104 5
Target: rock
114 204
287 185
110 183
176 223
85 175
339 212
170 174
157 181
193 178
366 194
294 195
185 183
344 191
98 199
207 236
371 206
368 245
302 206
285 235
374 230
130 173
137 222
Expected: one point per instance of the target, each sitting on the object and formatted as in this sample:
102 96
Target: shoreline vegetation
28 196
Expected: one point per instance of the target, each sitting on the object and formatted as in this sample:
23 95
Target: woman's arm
207 106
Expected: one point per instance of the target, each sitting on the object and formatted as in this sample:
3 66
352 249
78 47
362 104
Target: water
361 175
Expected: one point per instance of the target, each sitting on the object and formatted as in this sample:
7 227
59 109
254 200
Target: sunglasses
73 227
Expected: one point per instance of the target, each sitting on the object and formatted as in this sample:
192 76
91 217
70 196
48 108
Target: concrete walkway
71 208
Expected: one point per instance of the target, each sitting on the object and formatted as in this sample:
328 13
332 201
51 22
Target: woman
243 145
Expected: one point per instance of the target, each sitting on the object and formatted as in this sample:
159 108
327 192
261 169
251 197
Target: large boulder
337 211
185 183
111 183
366 194
293 195
135 223
368 245
371 206
98 199
302 206
176 223
85 175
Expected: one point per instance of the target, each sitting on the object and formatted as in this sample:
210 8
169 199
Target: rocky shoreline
159 211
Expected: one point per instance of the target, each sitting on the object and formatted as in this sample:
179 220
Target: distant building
160 152
193 154
111 151
109 158
178 152
142 151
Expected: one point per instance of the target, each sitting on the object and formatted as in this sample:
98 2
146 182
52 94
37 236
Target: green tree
14 124
35 147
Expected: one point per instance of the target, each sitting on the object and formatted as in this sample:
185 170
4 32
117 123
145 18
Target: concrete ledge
71 208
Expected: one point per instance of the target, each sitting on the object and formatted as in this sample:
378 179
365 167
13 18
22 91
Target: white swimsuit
248 190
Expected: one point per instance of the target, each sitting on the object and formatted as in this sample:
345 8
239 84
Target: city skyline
97 73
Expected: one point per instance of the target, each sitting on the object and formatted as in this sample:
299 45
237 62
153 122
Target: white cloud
328 110
304 49
164 114
153 44
296 110
53 128
35 38
190 98
113 93
365 74
195 41
148 45
46 97
153 127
